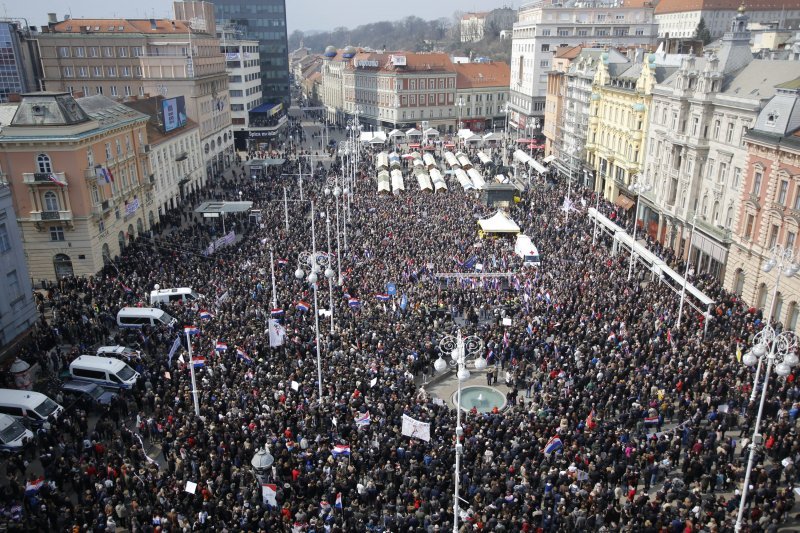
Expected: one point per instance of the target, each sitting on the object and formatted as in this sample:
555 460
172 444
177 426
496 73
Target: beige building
482 88
121 58
77 172
472 26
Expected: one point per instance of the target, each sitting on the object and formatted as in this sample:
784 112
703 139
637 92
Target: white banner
416 429
276 333
268 491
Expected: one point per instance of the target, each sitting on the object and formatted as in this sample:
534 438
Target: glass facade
264 21
11 77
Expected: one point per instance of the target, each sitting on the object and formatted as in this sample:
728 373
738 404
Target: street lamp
332 187
261 463
774 346
507 111
459 348
787 265
460 105
686 272
639 187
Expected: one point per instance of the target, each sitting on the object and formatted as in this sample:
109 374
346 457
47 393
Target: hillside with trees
412 34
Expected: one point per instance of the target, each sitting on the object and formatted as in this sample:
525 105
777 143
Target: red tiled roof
679 6
568 52
113 25
474 75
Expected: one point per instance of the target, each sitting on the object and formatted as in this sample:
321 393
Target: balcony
44 178
100 209
716 232
51 216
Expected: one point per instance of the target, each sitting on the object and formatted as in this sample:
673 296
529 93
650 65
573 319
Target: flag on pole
33 486
363 420
338 503
651 420
282 262
207 315
416 428
354 302
268 493
199 361
341 450
125 287
191 330
303 306
404 302
590 423
52 177
277 312
243 356
173 349
221 346
553 445
276 333
382 297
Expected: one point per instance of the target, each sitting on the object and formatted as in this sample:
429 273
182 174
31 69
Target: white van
136 317
527 251
13 435
166 296
105 371
28 405
118 351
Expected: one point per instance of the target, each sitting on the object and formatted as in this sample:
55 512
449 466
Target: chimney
66 17
78 94
52 18
14 97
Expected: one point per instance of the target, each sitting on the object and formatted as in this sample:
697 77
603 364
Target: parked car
86 395
13 435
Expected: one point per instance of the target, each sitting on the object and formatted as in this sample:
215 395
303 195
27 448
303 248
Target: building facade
244 81
120 58
769 209
77 172
678 19
542 28
19 53
264 21
483 89
472 26
696 158
17 307
332 96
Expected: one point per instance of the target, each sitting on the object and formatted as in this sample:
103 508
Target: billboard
174 111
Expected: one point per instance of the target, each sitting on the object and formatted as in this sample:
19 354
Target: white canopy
521 156
429 160
382 160
450 159
498 223
538 167
463 160
431 132
397 182
413 132
463 179
549 159
484 159
394 160
476 178
418 163
492 137
396 133
464 133
383 182
474 138
378 138
438 180
424 181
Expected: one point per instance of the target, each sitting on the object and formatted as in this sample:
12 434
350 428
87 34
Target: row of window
113 90
99 51
102 72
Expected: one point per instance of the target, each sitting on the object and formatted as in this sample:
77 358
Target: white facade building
542 28
243 65
678 19
472 27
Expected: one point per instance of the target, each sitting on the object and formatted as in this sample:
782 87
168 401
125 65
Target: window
43 163
80 52
729 133
108 51
93 51
748 228
757 183
791 237
63 51
545 48
90 157
97 72
13 285
98 89
737 175
50 201
773 236
5 240
83 72
127 90
716 129
136 51
783 188
112 72
90 374
114 90
56 233
67 72
122 51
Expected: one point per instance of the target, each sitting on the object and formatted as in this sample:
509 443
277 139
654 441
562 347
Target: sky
302 15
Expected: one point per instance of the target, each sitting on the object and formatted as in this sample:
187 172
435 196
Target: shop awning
624 202
550 158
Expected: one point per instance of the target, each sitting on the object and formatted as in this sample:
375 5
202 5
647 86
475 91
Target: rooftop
679 6
474 75
120 25
155 133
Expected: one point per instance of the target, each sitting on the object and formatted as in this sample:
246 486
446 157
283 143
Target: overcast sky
301 14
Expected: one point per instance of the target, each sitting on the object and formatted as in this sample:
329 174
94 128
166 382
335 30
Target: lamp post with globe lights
261 462
777 348
459 349
787 264
639 187
332 188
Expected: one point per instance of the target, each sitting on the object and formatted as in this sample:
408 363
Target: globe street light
639 187
332 188
261 462
775 347
459 348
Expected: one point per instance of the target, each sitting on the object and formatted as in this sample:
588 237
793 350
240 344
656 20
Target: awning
498 223
549 159
414 145
431 132
538 167
412 132
624 202
493 137
449 145
396 133
525 141
429 147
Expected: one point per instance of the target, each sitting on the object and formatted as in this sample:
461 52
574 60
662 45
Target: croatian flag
363 420
199 361
221 346
125 287
303 306
33 486
207 315
382 297
282 262
354 302
651 420
341 450
191 330
277 312
243 356
553 445
338 503
52 177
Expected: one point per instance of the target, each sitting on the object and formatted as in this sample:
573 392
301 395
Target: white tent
378 138
475 138
498 223
397 182
538 167
476 178
484 159
418 163
463 160
492 137
431 132
413 132
463 179
394 160
429 160
424 181
450 159
396 133
438 180
521 156
549 159
383 182
382 160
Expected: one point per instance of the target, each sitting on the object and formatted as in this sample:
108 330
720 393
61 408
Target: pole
286 210
316 308
635 226
460 359
272 272
597 212
300 173
751 458
769 321
330 283
569 193
223 223
685 274
191 372
338 242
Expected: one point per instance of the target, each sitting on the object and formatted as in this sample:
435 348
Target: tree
701 33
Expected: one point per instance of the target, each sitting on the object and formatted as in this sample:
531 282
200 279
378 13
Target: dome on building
330 51
348 52
595 96
651 58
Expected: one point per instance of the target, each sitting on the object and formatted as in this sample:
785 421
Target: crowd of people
652 419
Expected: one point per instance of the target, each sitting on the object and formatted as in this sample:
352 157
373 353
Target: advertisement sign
174 111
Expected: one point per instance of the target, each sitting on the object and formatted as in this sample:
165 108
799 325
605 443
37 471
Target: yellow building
618 120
